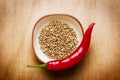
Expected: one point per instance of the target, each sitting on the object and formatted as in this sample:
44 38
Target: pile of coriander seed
57 40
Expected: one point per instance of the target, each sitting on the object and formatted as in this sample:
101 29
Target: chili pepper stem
37 66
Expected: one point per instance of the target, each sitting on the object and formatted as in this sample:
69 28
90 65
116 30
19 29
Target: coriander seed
57 40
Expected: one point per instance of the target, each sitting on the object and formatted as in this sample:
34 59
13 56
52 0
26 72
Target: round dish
42 22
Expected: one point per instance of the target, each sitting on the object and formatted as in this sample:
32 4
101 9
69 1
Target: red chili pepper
73 58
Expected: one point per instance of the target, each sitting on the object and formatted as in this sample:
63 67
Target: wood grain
17 18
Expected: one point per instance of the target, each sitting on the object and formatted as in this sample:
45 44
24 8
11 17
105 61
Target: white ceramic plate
45 20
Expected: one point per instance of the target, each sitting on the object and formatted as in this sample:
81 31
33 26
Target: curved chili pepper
74 57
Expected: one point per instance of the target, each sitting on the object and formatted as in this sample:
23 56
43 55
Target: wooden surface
17 18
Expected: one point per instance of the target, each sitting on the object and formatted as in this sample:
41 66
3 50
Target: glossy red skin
75 56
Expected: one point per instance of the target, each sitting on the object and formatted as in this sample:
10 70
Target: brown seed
57 40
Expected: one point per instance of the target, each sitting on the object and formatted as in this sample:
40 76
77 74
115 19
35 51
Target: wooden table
17 18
